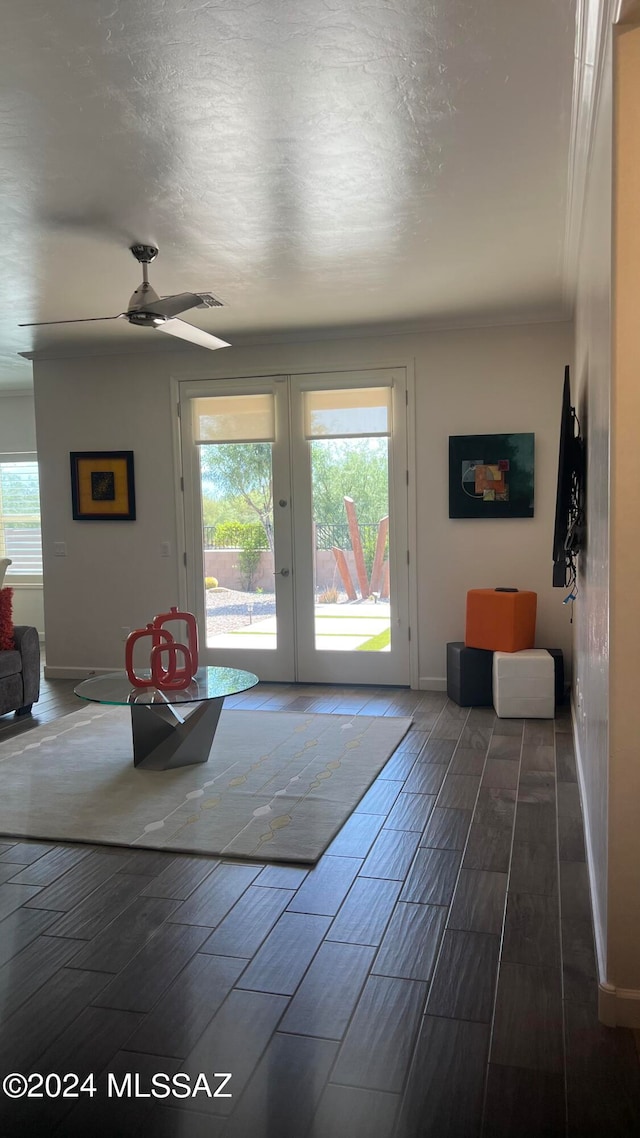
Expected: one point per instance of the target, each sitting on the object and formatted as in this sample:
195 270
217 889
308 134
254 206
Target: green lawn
376 643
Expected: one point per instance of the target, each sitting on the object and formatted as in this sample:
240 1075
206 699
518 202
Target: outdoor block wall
223 565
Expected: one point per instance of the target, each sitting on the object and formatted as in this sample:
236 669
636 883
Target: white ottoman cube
524 684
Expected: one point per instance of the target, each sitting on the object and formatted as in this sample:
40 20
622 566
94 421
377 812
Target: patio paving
339 628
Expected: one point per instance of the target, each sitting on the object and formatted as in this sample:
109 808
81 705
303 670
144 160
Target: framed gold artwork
102 486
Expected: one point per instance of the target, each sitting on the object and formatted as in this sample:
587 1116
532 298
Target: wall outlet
125 632
165 549
59 549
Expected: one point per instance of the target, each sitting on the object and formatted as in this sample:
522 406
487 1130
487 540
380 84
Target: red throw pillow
6 620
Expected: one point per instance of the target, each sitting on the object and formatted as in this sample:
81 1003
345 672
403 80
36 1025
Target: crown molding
594 21
312 335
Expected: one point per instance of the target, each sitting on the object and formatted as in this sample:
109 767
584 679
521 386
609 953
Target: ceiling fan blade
80 320
182 302
188 332
172 305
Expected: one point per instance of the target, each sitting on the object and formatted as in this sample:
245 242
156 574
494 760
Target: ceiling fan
148 310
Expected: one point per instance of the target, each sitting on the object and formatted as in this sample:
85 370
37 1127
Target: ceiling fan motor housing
145 254
140 302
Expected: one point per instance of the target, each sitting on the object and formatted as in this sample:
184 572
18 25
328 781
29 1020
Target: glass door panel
350 506
236 491
235 453
350 527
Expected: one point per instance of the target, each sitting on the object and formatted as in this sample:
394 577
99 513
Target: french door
295 508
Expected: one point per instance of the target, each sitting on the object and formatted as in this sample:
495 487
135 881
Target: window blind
347 413
234 418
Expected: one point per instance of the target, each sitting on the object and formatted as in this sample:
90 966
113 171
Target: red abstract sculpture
171 677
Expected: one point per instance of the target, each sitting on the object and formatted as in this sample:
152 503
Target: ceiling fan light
144 319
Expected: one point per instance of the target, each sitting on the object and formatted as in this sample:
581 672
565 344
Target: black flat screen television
568 532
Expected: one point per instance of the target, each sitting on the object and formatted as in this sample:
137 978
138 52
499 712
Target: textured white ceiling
315 163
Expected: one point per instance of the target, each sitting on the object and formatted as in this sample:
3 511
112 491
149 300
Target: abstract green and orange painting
491 476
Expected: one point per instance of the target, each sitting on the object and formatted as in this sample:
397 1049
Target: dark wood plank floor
433 975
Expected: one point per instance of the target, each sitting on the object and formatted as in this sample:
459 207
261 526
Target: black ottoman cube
558 661
469 675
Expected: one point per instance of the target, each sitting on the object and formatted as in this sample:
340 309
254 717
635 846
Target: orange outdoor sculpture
170 677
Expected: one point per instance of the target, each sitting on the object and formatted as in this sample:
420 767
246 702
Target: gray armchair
20 672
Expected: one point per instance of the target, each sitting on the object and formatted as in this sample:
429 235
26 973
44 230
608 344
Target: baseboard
598 926
618 1007
52 672
432 683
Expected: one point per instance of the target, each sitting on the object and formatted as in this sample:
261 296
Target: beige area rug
278 786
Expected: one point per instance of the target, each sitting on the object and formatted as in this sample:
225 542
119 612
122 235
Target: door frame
290 365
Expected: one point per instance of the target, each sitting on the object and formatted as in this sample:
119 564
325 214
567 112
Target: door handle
282 572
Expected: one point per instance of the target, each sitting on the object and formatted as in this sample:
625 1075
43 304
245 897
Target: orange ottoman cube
501 620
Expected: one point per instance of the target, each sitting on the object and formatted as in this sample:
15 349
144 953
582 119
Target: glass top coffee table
164 738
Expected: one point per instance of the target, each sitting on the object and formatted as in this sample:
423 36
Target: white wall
498 379
623 963
28 604
607 709
17 436
17 423
478 382
112 575
591 392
